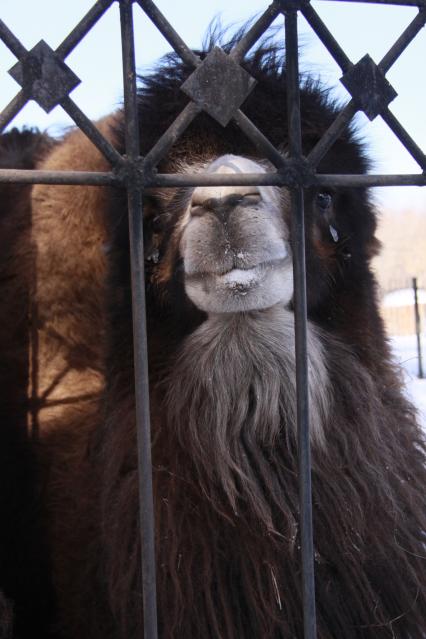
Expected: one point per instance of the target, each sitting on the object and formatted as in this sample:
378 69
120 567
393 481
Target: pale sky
360 29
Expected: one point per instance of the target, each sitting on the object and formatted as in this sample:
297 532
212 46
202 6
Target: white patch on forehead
232 165
235 164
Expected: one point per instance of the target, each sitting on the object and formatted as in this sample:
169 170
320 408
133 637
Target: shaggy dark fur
23 569
6 618
224 450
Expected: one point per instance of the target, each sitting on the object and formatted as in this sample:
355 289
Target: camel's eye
252 198
159 222
324 202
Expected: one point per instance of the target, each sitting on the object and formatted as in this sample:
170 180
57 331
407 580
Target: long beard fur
233 391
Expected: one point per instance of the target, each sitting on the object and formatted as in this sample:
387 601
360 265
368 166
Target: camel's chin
241 290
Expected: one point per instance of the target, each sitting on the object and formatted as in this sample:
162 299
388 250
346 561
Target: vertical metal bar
134 191
300 307
418 328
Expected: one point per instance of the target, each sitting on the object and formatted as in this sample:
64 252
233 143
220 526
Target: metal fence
45 78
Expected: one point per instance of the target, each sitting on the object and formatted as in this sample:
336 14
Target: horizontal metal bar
255 32
166 29
275 179
11 41
33 176
406 3
94 135
403 41
12 110
83 27
326 37
365 181
94 178
215 179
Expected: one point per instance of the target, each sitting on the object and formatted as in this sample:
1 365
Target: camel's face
234 244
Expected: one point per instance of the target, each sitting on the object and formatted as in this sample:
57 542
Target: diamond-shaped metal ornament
44 76
369 87
219 85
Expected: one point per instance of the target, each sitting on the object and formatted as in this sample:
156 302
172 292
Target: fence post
300 325
140 345
418 329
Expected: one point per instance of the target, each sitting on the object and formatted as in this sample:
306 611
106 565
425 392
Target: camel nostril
233 200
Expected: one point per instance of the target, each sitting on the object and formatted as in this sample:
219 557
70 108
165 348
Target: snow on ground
405 353
404 297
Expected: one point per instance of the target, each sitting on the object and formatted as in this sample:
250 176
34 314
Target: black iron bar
140 347
255 32
326 37
300 324
403 3
259 140
172 37
11 41
403 41
94 135
414 179
19 101
278 179
217 179
83 27
332 134
92 178
418 329
34 176
404 137
169 137
12 110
